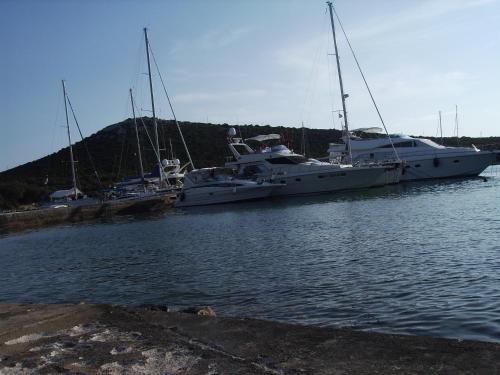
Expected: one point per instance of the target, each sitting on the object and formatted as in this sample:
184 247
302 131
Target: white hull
424 158
445 166
330 180
201 196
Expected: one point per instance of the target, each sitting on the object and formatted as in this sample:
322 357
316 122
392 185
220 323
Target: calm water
419 258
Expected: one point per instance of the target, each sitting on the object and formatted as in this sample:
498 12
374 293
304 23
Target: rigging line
121 155
147 133
312 79
85 144
366 83
330 90
171 108
54 131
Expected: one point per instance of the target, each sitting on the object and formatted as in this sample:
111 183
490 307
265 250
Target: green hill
114 152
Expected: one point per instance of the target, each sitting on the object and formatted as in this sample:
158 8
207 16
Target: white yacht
424 159
220 185
301 175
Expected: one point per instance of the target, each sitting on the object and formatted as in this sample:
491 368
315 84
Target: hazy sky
241 62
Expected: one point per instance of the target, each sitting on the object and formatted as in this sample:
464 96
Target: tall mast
157 143
456 122
73 172
171 149
343 96
137 137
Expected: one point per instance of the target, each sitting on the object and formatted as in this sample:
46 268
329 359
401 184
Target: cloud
425 10
224 96
210 40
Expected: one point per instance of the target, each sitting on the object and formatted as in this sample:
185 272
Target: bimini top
264 137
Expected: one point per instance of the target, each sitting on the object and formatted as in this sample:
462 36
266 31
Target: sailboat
422 158
167 174
393 168
72 196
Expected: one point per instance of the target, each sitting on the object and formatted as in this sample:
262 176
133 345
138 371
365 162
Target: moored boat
272 161
424 159
208 186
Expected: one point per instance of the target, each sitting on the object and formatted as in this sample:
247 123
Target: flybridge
265 137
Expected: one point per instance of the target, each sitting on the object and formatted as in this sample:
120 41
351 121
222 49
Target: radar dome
231 132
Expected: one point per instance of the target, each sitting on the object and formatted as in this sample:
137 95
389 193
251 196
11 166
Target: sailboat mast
456 122
157 143
343 96
137 137
73 172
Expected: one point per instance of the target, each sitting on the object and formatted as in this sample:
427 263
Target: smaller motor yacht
424 159
208 186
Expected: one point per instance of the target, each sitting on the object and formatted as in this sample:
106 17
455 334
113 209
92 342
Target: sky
246 62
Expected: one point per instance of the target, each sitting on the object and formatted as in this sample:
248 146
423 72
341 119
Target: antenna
440 127
303 144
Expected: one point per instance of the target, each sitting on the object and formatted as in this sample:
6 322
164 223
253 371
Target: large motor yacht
424 159
220 185
274 162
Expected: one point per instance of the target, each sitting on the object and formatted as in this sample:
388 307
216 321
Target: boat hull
446 166
345 178
202 196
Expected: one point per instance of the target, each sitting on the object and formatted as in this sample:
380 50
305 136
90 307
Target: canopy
373 129
61 194
264 137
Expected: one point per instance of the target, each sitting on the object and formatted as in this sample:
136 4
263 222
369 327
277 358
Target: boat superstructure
272 161
208 186
424 158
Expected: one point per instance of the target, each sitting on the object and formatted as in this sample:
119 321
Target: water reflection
417 258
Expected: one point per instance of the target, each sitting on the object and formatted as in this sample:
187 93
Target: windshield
296 159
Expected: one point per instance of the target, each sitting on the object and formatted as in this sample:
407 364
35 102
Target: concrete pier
113 339
32 219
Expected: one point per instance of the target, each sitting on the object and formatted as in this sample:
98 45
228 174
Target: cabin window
417 165
242 150
321 176
287 160
401 144
456 161
298 179
251 170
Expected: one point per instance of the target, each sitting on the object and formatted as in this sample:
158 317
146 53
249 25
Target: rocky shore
107 339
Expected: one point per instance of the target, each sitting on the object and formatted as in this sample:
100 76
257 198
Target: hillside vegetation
114 152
